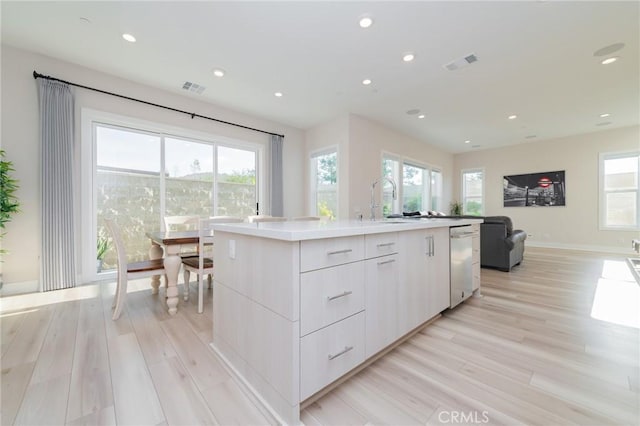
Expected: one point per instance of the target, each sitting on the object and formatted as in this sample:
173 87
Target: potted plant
101 249
9 204
455 208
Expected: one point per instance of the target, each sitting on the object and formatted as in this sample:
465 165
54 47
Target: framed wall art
545 189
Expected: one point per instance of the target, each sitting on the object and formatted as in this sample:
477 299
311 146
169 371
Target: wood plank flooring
528 352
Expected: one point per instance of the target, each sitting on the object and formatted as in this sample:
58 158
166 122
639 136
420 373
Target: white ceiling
535 59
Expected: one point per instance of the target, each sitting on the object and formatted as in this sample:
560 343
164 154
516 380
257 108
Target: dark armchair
500 246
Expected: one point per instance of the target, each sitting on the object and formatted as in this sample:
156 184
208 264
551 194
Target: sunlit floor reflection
617 297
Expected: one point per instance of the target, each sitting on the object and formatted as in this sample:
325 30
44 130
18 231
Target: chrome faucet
373 197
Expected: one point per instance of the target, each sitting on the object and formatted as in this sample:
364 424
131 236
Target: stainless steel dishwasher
461 261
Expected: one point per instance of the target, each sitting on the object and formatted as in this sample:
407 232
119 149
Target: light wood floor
528 352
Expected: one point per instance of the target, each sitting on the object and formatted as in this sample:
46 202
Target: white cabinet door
381 306
424 276
476 256
438 271
414 279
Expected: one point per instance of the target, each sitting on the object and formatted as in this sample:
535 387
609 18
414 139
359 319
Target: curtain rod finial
35 74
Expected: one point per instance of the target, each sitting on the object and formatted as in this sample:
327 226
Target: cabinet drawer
329 353
316 254
376 245
329 295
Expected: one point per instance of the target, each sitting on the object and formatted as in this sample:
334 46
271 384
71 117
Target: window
472 192
139 176
419 187
620 191
324 183
436 190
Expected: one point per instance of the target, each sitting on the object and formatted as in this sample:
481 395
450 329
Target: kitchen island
297 305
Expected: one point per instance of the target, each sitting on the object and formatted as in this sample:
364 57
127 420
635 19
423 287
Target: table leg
155 252
172 264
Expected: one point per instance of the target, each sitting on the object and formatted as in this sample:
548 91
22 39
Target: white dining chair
265 218
203 263
128 271
187 272
304 218
182 223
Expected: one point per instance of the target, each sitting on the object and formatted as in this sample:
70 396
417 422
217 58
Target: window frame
427 186
463 188
87 208
602 192
313 183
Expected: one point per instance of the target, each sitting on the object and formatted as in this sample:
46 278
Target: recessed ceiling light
604 123
218 72
85 20
467 141
365 21
129 38
609 60
530 137
421 116
605 115
413 111
278 94
408 57
366 82
513 117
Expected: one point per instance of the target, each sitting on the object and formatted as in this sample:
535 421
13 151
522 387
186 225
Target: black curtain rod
37 75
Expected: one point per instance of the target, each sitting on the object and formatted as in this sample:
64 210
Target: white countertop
313 230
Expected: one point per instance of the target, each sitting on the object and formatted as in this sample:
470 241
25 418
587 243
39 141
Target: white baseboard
581 247
21 287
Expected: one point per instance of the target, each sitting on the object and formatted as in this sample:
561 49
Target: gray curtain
276 191
57 269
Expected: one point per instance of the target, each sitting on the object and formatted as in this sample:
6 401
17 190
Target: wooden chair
203 263
128 271
265 218
187 272
182 223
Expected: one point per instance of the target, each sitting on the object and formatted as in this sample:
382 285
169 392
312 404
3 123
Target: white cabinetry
475 264
330 352
296 308
332 303
438 279
424 274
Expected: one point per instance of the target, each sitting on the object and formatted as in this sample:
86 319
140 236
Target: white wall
367 141
19 116
574 226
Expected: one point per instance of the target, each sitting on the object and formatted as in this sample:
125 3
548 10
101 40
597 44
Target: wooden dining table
172 242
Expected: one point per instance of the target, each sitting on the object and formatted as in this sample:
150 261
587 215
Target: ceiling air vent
193 87
460 63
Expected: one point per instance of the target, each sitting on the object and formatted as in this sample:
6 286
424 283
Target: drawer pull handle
386 261
342 352
385 244
338 296
329 253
